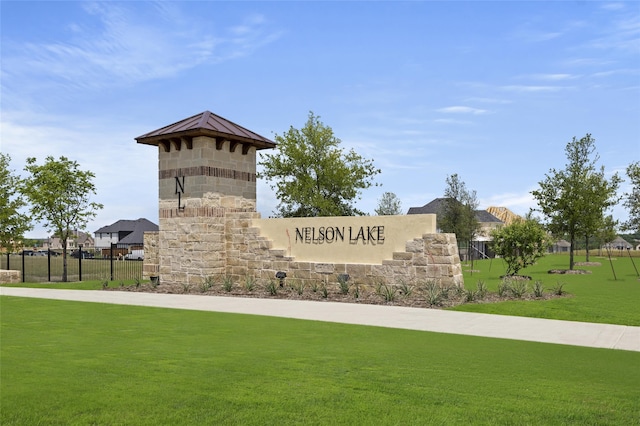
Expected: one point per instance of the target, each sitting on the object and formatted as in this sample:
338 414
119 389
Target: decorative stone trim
207 171
199 212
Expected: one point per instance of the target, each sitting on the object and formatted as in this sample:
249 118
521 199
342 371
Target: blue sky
492 91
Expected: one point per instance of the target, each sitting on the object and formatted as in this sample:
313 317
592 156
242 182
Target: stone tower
207 173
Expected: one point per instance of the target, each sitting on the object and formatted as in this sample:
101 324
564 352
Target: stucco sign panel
354 239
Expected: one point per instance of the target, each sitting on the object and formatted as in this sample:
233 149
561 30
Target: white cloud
462 110
128 48
522 88
496 101
451 121
612 6
555 77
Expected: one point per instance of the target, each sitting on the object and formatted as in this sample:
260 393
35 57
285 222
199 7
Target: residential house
560 246
77 239
127 234
480 246
619 243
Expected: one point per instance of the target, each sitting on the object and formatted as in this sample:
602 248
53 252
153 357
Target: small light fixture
281 276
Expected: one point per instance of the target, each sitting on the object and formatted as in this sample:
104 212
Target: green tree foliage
602 193
574 200
520 243
607 232
632 199
313 176
458 214
13 224
59 194
389 204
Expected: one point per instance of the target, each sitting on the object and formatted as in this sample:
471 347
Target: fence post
111 259
49 264
23 274
79 262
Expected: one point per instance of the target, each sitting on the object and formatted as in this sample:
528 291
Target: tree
389 204
600 193
312 176
59 193
575 199
520 243
632 201
13 224
458 215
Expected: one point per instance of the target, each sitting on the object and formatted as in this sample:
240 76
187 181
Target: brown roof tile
206 124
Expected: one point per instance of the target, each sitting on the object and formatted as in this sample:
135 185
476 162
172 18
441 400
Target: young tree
602 196
568 197
59 193
632 201
458 215
312 176
389 204
13 224
520 243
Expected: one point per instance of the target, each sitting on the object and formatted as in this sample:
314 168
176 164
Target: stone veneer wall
151 265
201 242
10 276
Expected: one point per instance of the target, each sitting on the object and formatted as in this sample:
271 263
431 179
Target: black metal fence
48 266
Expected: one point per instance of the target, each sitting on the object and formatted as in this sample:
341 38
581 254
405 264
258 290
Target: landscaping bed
420 295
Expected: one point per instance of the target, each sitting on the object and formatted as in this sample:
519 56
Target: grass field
595 297
71 363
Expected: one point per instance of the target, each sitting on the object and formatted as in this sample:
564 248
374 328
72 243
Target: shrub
186 287
343 284
207 283
503 287
272 287
470 295
227 283
249 283
520 244
433 293
405 288
481 289
388 292
538 289
298 286
558 289
356 291
315 286
518 288
324 292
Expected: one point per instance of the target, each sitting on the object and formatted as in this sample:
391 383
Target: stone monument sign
208 223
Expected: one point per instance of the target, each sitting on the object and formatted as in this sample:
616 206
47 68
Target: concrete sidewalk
498 326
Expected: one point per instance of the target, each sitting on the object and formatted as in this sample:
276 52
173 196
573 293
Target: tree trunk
587 241
64 261
572 241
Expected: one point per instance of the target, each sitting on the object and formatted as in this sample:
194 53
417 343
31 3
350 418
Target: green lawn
84 363
595 297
